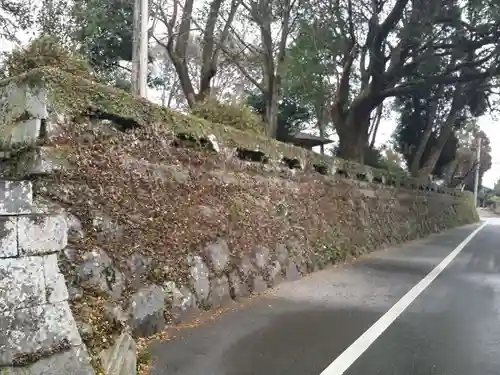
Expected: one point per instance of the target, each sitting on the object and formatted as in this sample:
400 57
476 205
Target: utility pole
140 48
478 160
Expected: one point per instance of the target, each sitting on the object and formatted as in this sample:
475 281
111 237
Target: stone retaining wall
38 335
328 210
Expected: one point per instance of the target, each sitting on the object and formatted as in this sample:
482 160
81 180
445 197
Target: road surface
430 307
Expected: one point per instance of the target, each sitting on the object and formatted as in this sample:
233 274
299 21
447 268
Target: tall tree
311 59
102 31
465 164
179 22
397 38
267 16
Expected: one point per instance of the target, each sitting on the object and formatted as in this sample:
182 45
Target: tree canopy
337 65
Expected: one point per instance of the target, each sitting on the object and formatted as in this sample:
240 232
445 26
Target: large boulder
121 358
147 311
220 292
217 255
200 279
98 273
181 300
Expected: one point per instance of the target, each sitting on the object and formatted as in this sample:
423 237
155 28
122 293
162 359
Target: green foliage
496 188
45 51
388 161
239 116
430 107
103 30
52 19
311 60
292 117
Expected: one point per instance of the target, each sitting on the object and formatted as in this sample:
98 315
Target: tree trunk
321 127
431 161
446 131
185 82
352 146
205 86
272 107
322 116
353 139
450 171
272 110
432 107
374 130
353 127
419 152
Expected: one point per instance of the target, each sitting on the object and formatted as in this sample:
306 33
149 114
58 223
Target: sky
487 123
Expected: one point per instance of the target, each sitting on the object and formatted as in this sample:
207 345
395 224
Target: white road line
358 347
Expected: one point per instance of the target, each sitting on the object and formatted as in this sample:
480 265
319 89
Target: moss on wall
75 96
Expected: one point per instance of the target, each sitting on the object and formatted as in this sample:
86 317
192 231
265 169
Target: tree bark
321 127
322 116
353 125
450 171
374 129
352 146
419 152
210 52
353 138
272 110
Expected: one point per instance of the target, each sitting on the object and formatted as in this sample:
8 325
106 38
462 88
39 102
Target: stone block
37 329
98 273
275 274
22 101
16 197
258 285
246 270
25 132
8 237
121 358
30 281
41 234
292 273
75 361
260 257
42 161
55 285
22 283
282 255
214 145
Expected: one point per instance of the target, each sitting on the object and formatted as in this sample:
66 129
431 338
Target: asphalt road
313 326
